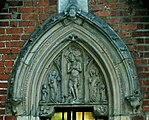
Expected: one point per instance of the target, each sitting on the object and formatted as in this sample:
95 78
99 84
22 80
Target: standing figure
93 84
53 82
74 69
102 92
44 93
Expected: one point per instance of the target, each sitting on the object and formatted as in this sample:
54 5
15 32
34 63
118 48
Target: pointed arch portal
74 60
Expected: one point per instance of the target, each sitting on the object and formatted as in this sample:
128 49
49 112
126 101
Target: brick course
19 19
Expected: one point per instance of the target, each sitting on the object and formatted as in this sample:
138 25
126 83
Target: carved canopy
75 59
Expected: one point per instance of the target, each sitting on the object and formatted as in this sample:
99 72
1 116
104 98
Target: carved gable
74 60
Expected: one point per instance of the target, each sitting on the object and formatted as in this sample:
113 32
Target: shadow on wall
146 3
2 4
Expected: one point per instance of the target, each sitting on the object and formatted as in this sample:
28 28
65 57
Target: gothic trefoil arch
74 59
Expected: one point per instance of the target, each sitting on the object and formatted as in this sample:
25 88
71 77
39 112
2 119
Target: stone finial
81 4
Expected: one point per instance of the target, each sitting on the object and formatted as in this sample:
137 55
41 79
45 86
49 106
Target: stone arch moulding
78 47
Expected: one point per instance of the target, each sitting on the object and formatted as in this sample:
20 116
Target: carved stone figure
72 11
53 82
44 93
74 69
94 81
102 91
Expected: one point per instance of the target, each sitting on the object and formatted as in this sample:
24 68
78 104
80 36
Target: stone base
121 118
37 118
27 118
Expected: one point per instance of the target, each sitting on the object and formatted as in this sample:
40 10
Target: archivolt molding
95 38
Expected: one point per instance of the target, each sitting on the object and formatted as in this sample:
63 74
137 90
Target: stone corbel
135 101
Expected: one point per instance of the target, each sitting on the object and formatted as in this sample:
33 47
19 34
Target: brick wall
20 18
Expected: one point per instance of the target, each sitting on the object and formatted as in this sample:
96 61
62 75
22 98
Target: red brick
4 92
4 24
25 37
5 37
138 61
38 23
2 70
15 44
92 1
41 3
30 16
146 103
145 109
138 118
13 24
10 118
2 111
9 57
9 63
2 44
102 13
119 13
25 10
13 10
52 3
43 17
15 3
139 34
1 64
115 20
15 50
15 37
39 10
29 30
8 70
2 105
28 3
146 96
97 7
2 98
143 75
4 85
128 27
26 23
144 89
4 77
5 16
2 30
14 30
5 51
49 10
102 1
118 6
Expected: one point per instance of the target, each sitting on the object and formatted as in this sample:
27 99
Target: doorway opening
74 113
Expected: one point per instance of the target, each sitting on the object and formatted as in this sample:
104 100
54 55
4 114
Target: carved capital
12 104
100 110
46 110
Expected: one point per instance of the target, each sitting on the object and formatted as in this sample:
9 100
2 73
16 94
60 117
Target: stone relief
74 68
44 93
73 78
54 80
96 86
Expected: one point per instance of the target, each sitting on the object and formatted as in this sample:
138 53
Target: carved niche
73 78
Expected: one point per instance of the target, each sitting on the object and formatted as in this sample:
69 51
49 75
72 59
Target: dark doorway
74 113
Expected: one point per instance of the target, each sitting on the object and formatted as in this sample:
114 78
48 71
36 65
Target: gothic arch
93 38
